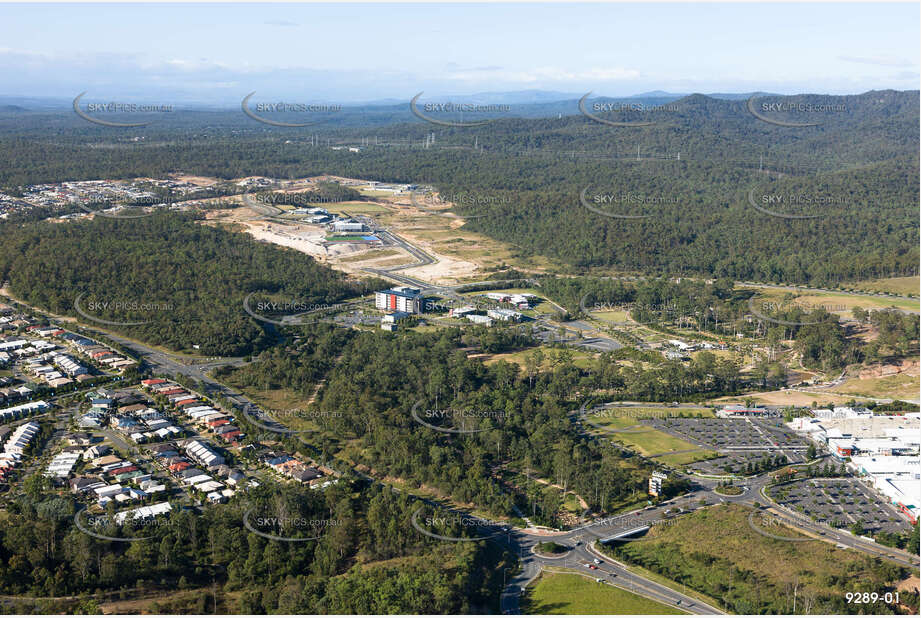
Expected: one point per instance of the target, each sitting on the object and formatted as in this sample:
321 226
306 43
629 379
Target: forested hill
163 279
692 176
857 130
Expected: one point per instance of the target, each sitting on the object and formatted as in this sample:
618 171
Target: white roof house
161 508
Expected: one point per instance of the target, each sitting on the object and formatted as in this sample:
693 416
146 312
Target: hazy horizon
214 54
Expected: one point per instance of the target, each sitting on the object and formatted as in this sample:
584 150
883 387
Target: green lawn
683 459
610 420
612 316
568 593
648 441
355 207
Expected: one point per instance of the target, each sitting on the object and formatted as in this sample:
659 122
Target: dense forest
368 559
423 408
699 218
186 282
518 420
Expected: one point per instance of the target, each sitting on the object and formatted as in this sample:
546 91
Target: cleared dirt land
461 255
788 398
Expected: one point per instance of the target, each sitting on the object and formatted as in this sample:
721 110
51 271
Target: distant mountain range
522 98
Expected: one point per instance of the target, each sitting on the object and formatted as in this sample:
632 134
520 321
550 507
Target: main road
582 555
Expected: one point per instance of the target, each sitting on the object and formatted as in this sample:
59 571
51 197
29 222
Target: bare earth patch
908 366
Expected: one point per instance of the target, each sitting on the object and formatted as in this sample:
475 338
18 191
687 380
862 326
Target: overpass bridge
625 533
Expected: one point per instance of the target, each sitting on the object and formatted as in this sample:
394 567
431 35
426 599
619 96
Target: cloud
878 61
454 67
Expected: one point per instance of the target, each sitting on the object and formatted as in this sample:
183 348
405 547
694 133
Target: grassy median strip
573 593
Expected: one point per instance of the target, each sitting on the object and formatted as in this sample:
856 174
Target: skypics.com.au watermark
293 199
288 529
623 204
772 526
792 114
257 111
640 413
633 525
463 417
434 306
121 305
279 419
116 107
654 313
431 111
443 528
293 312
430 201
95 525
112 212
794 205
789 313
625 109
596 416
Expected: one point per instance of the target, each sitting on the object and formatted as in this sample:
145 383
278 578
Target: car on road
593 567
599 580
597 561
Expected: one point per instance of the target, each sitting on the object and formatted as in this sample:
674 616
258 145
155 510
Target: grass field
899 386
839 303
653 411
614 423
905 286
359 208
683 459
290 406
716 552
569 593
653 442
612 316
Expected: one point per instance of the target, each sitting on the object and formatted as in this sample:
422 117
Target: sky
346 53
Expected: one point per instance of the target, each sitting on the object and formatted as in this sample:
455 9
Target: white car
597 561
